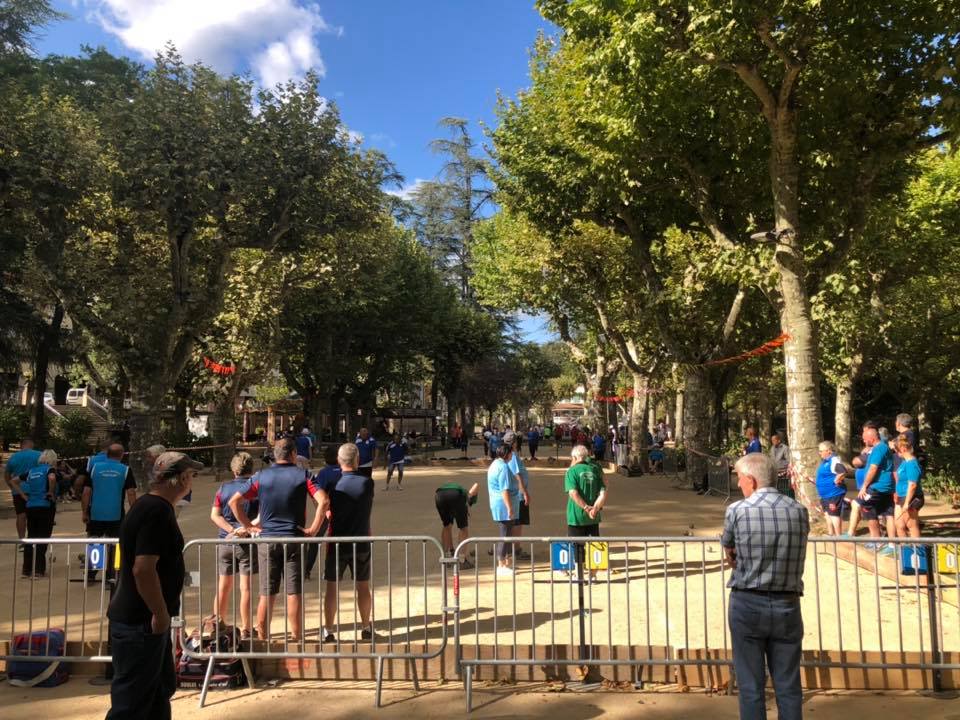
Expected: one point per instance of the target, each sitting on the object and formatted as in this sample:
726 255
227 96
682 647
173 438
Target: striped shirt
769 532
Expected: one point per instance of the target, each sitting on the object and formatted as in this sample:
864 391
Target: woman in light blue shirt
908 492
504 490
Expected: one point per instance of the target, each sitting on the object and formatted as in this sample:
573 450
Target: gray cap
174 462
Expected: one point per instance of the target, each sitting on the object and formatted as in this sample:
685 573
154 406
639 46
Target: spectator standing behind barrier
240 558
831 486
26 458
326 478
909 494
876 495
453 503
586 495
37 488
282 490
351 504
151 580
397 452
780 455
105 488
367 447
504 489
765 540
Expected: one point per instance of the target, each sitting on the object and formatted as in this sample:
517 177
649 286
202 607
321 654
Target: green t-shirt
458 486
587 479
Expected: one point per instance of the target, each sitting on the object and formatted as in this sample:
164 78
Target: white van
75 396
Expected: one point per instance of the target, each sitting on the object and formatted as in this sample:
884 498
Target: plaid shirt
769 532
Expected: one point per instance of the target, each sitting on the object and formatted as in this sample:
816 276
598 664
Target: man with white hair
150 456
765 540
586 493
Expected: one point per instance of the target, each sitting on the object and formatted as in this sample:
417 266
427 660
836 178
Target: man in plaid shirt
765 540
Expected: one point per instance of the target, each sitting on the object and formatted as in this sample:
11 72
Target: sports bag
38 673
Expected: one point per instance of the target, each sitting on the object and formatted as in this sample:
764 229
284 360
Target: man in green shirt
452 502
586 494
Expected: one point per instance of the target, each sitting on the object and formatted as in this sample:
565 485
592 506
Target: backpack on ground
38 673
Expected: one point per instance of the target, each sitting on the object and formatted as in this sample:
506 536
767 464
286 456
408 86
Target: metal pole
935 654
580 561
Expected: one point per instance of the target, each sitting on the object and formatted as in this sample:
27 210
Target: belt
769 593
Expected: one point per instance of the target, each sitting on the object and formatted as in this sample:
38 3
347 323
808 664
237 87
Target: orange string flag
765 349
218 369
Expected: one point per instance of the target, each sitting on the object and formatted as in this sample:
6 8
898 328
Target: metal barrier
405 586
67 590
719 477
644 603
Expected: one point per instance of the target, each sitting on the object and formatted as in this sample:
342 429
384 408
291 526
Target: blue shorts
877 505
834 506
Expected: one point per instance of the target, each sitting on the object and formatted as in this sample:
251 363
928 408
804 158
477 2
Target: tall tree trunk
181 428
637 416
48 342
678 416
765 411
696 422
223 424
843 413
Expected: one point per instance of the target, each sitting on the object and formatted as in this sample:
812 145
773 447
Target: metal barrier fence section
388 602
60 584
651 604
719 477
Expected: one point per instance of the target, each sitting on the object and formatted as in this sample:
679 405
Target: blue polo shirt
494 442
108 481
909 472
499 478
22 461
326 478
368 449
282 491
754 447
222 501
533 437
303 445
36 486
396 452
882 457
827 472
598 442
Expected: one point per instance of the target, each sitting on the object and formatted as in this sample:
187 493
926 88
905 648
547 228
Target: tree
894 63
20 21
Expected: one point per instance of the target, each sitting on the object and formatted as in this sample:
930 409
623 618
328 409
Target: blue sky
393 67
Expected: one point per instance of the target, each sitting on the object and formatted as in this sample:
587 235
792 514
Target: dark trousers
533 450
767 632
144 678
39 525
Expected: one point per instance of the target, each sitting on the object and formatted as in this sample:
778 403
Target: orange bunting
218 369
765 349
627 395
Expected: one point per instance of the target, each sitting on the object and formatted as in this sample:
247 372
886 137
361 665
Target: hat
174 462
508 437
305 431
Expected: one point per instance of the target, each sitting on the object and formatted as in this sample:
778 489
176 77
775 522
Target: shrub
70 433
14 423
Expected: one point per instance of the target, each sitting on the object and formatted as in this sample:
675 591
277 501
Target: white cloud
407 191
276 38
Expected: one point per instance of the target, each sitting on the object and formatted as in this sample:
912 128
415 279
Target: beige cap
174 462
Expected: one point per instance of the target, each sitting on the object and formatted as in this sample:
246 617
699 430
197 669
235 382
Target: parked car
48 398
75 396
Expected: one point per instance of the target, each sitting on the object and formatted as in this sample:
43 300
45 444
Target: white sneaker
504 571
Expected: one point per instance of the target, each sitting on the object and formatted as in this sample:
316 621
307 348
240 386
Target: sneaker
871 546
328 637
504 571
466 564
523 555
367 634
889 549
399 487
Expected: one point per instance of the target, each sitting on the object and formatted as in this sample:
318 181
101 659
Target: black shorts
103 528
19 504
833 506
583 530
343 553
233 559
452 506
917 502
877 505
524 515
276 563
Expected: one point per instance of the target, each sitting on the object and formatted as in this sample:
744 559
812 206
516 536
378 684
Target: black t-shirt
150 528
351 502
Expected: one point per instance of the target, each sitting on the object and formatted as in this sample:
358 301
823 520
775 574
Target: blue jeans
767 631
144 678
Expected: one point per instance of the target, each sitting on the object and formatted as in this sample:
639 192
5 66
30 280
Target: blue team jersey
882 457
94 459
303 445
22 461
533 437
598 442
326 479
494 442
396 452
827 473
108 480
908 472
753 447
222 500
368 449
282 491
36 487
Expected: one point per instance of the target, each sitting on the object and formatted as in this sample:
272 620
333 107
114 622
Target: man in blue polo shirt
753 442
397 452
282 490
104 489
876 495
367 447
304 444
22 461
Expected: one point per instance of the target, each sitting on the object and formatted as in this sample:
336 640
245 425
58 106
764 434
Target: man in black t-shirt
351 502
151 579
